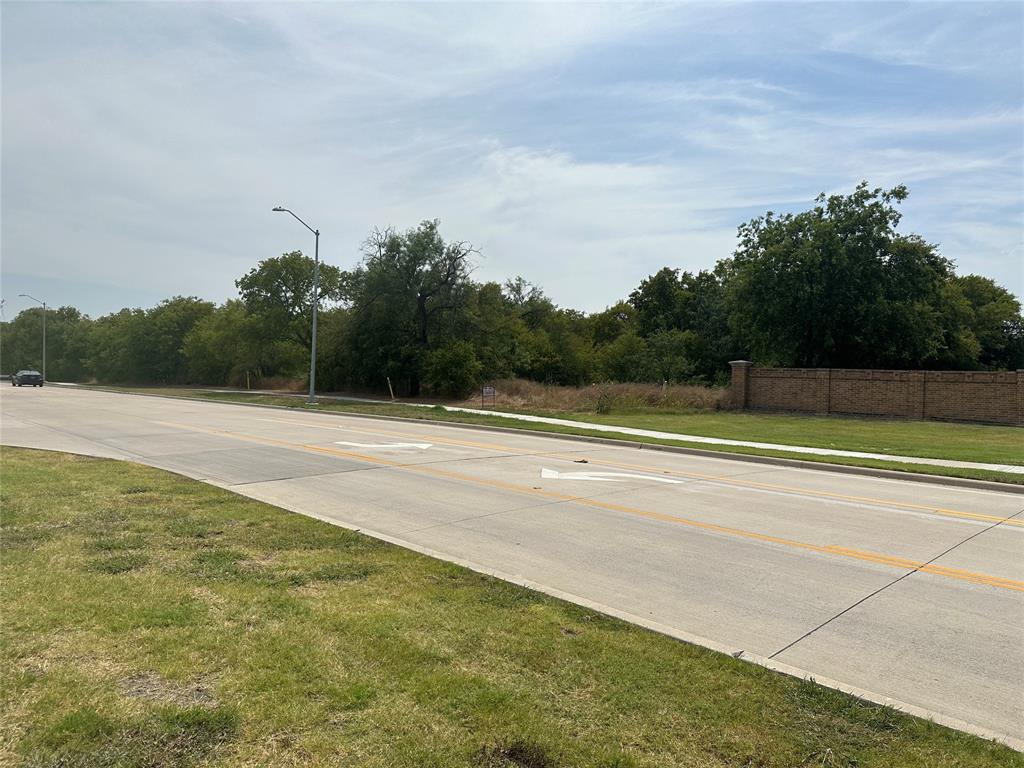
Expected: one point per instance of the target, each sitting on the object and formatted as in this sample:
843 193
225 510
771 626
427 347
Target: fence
995 397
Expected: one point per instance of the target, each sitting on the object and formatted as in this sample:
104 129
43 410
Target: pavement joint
911 572
299 477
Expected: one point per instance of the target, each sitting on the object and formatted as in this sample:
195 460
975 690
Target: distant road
900 590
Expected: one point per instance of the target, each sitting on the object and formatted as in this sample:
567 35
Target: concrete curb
676 634
819 466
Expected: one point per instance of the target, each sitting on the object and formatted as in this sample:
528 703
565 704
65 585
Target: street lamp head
278 208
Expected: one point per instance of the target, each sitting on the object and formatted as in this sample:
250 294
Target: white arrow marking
421 446
602 477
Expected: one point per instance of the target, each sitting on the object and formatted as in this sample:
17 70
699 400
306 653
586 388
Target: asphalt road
903 591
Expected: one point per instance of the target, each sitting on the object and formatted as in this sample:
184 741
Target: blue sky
582 146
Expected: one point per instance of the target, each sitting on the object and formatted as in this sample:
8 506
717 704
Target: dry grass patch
521 394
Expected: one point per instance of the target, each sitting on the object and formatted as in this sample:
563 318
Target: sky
582 146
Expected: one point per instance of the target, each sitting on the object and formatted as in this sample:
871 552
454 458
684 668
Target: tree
838 286
66 342
167 325
279 291
994 319
669 356
409 287
497 331
657 302
227 347
624 359
607 326
452 370
118 347
137 346
693 304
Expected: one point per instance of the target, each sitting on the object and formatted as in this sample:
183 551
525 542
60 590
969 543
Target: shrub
453 370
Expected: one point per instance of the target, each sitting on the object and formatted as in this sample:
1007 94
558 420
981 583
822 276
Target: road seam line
921 568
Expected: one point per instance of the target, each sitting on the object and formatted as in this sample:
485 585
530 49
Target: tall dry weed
521 394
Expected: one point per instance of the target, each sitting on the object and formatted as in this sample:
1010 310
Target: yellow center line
752 484
817 493
828 549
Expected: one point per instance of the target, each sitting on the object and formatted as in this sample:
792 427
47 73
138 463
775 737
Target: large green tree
228 347
279 293
405 296
838 286
693 304
145 346
993 318
67 332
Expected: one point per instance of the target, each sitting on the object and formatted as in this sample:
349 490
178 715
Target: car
30 377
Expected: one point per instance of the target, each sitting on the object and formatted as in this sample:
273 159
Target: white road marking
603 477
379 446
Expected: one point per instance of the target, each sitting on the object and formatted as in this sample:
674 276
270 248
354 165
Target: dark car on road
30 378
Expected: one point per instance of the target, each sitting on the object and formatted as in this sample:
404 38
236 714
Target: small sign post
486 392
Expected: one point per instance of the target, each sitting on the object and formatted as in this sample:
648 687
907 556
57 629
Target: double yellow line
846 552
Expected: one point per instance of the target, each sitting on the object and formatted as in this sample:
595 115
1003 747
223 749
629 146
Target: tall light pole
43 304
316 301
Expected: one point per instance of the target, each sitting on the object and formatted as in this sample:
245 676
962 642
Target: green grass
927 439
150 620
932 439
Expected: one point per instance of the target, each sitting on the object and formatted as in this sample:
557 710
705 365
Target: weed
515 754
116 564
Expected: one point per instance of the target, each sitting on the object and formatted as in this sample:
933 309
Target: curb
819 466
676 634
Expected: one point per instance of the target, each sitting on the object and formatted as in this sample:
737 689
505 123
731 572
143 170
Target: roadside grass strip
152 620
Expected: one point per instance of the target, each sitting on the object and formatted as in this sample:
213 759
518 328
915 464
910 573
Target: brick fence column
917 385
823 391
1020 397
739 391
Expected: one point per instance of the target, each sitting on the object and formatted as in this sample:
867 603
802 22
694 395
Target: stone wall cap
740 362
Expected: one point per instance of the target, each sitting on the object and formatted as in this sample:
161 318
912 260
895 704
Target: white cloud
581 145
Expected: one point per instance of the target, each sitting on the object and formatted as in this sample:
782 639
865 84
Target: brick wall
995 397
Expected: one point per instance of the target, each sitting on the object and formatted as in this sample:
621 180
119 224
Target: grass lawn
929 439
150 620
932 439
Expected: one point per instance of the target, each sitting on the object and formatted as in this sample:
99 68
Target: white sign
603 477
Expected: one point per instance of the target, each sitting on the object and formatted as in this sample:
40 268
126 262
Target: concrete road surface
905 592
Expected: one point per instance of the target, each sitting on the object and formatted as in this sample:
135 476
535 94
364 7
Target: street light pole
316 301
43 303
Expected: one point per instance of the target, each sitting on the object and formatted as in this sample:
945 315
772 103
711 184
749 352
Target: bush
452 370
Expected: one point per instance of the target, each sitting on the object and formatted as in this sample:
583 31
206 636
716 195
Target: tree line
835 286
